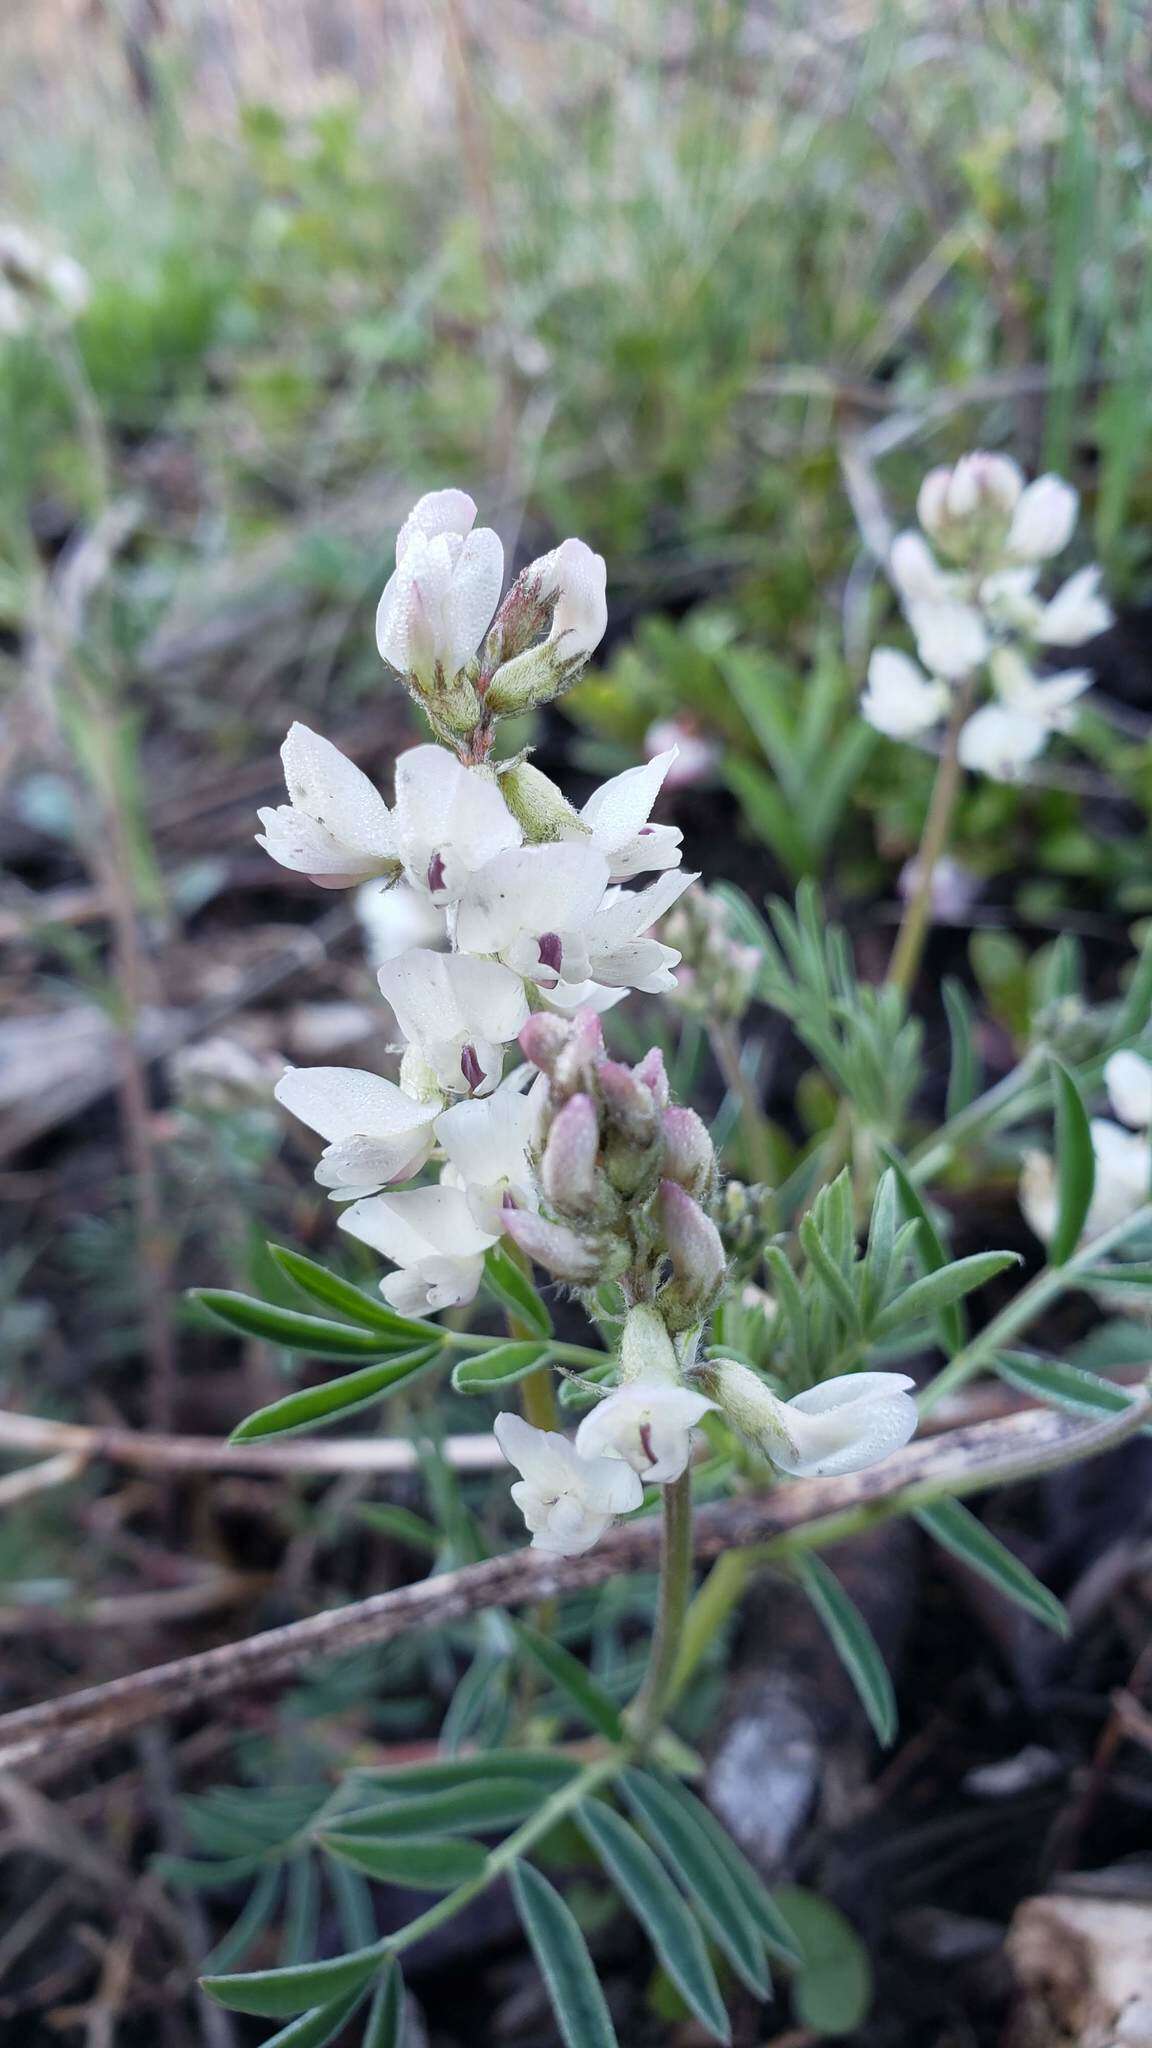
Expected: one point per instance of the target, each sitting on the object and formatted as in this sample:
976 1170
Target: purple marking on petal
436 873
508 1200
470 1067
551 951
646 1442
645 831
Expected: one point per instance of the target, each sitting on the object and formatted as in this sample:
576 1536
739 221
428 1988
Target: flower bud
543 1039
577 1064
538 806
689 1154
532 678
839 1426
630 1105
967 509
561 1252
650 1070
697 1254
568 1168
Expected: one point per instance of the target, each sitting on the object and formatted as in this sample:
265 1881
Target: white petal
436 1283
472 599
1128 1079
901 701
951 639
299 843
618 814
1001 742
536 889
916 572
450 815
396 918
1076 613
419 1224
626 914
847 1423
487 1140
1043 521
330 789
580 619
436 512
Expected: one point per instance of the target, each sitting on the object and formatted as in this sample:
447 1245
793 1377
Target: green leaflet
958 1530
854 1643
314 1406
643 1883
1075 1165
704 1875
425 1864
565 1964
490 1371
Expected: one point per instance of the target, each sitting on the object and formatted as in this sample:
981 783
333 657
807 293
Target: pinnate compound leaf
959 1531
704 1875
276 1994
428 1865
487 1372
347 1299
645 1886
1075 1166
312 1407
316 1336
514 1290
565 1964
1066 1386
590 1700
832 1987
854 1643
477 1803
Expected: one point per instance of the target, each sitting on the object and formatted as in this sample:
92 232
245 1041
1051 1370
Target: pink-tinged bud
689 1155
576 1066
694 1246
543 1039
628 1102
650 1070
568 1168
559 1250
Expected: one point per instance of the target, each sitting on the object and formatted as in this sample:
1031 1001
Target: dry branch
964 1461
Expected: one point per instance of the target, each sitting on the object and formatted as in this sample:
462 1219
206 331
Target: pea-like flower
457 1012
842 1425
900 700
567 1500
434 1240
376 1132
336 827
439 601
449 820
649 1424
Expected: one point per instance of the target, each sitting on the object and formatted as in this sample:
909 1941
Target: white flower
35 284
433 1239
1043 521
840 1426
439 602
1123 1180
1128 1079
336 828
619 953
486 1144
531 908
394 919
448 821
649 1424
458 1012
1076 613
845 1424
901 701
567 1501
376 1133
951 637
1000 742
577 578
617 816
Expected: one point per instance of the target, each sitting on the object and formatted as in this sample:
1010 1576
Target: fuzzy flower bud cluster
967 580
533 898
717 974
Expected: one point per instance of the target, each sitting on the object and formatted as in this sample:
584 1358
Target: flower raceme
980 617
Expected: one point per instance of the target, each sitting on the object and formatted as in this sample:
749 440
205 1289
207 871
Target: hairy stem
905 961
646 1711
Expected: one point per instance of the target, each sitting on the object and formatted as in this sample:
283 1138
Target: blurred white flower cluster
967 581
497 912
37 287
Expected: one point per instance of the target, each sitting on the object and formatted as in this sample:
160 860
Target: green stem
914 927
571 1354
1026 1306
555 1808
646 1711
721 1591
